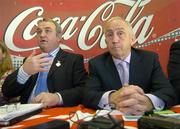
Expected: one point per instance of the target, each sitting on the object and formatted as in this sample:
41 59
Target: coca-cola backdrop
156 24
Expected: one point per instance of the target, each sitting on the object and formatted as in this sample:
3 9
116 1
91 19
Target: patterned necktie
124 73
41 83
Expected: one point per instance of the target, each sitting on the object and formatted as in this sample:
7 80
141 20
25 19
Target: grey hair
120 19
58 27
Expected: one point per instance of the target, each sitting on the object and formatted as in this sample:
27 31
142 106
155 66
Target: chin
117 55
43 49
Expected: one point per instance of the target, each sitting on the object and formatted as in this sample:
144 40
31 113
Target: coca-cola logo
89 30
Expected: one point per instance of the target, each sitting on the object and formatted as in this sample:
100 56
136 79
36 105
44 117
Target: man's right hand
37 63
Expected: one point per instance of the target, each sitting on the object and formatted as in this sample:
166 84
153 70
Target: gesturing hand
36 63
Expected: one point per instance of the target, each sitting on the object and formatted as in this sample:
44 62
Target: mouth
116 47
43 41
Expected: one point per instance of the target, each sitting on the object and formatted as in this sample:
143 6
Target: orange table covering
53 112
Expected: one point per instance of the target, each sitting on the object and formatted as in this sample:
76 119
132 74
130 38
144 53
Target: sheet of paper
6 113
174 115
12 127
131 118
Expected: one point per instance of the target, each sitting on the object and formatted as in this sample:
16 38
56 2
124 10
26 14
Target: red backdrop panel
156 24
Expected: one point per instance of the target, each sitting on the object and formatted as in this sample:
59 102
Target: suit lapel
112 73
135 66
60 57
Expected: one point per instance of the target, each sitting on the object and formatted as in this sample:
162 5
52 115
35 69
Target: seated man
54 77
174 67
125 78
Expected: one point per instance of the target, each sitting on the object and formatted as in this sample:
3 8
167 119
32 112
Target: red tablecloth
49 113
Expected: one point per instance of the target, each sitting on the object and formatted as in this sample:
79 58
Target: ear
134 40
59 35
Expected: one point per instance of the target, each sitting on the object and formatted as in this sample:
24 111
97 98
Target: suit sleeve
93 88
174 67
11 88
161 86
73 95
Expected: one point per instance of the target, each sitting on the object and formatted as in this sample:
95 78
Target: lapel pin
58 63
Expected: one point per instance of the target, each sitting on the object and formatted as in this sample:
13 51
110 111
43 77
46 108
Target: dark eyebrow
48 28
38 29
109 30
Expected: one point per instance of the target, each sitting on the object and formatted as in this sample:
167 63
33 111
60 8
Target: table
48 115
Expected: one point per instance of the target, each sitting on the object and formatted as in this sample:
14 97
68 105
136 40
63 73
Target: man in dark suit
174 67
126 78
64 72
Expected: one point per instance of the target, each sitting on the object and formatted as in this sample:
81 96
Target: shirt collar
117 61
54 52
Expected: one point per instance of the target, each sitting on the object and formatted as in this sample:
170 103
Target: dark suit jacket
174 67
68 80
145 71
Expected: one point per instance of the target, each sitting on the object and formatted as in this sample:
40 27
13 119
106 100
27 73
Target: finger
127 103
38 98
119 99
139 108
130 111
44 105
138 89
40 69
115 97
137 112
33 53
45 65
42 55
131 100
139 97
127 91
33 100
45 59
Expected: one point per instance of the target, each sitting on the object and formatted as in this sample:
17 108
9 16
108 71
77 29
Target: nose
42 34
115 38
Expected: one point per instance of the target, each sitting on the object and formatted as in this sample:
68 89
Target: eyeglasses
9 108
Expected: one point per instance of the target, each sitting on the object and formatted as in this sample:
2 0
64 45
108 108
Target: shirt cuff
104 101
22 76
60 99
157 102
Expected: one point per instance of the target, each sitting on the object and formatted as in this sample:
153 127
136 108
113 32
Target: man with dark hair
54 77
